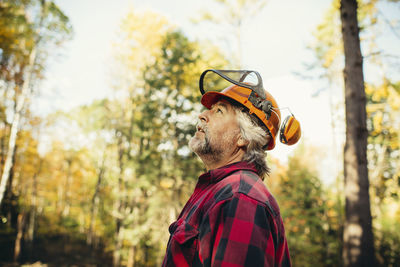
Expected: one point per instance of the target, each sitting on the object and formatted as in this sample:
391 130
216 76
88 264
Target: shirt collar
216 175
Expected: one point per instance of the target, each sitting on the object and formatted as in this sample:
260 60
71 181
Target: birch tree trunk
15 123
358 247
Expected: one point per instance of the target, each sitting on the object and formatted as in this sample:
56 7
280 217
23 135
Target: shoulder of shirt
248 183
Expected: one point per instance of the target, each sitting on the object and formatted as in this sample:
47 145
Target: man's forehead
222 103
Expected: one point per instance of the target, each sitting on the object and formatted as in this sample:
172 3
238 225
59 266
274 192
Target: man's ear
242 142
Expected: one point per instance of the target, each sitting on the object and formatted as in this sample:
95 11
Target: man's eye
219 110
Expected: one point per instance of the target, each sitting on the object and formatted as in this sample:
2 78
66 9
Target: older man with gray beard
232 219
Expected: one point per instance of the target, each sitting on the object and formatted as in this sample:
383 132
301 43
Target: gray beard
204 149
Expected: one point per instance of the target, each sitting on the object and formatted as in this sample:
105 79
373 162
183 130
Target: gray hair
257 138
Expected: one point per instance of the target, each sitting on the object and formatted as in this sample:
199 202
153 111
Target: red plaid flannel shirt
231 219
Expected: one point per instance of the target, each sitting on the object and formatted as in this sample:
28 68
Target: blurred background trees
113 174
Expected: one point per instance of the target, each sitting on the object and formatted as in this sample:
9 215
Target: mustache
202 127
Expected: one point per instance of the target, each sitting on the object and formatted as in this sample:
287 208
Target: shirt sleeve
239 232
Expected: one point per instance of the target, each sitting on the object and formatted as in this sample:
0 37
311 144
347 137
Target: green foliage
24 25
382 110
311 214
15 35
158 128
388 238
134 172
327 45
125 170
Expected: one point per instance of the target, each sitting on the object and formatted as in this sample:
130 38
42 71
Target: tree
310 213
358 247
14 59
151 125
383 110
382 147
43 24
154 132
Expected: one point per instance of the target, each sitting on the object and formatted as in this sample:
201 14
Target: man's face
217 132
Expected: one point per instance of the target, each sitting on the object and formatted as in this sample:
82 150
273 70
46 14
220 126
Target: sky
274 43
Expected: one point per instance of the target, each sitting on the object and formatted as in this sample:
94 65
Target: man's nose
204 116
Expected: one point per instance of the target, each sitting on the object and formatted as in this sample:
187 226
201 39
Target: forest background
103 100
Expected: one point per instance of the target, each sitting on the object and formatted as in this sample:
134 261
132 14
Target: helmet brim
210 98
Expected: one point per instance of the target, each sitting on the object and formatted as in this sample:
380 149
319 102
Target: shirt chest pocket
184 243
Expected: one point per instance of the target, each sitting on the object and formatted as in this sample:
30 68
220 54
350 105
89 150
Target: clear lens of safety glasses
210 80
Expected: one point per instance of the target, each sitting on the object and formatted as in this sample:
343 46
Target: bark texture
358 247
15 123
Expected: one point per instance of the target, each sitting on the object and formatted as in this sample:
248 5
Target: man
231 219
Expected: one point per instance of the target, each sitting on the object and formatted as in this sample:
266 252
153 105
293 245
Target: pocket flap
184 232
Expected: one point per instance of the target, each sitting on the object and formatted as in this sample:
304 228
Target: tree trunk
118 246
119 206
20 233
32 214
95 204
2 144
131 257
358 247
15 123
67 189
11 207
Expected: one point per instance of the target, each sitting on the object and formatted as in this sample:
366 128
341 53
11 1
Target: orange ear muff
290 131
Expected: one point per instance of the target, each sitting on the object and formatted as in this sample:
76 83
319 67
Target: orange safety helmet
245 87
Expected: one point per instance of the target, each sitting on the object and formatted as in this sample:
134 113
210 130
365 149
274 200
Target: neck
212 162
